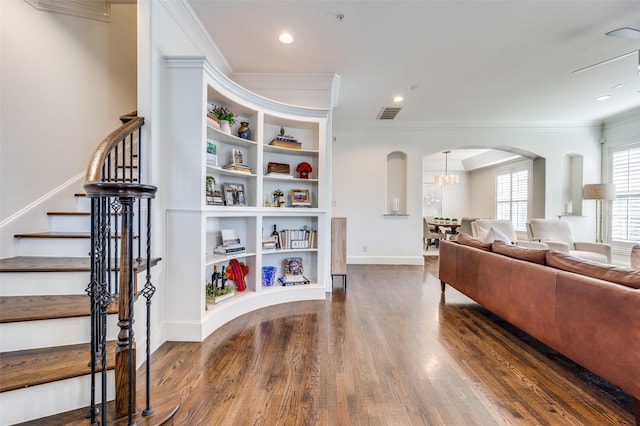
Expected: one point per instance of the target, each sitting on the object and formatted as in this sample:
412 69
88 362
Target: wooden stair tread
34 308
21 369
165 401
68 235
69 213
59 264
53 235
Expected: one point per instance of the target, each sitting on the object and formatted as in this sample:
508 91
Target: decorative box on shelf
285 141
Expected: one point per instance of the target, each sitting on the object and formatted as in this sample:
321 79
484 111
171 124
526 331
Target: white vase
225 126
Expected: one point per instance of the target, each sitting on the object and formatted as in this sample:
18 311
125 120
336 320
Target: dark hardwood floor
391 350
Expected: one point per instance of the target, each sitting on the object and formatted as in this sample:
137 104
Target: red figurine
304 169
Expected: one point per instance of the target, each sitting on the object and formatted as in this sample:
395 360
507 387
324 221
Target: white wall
65 81
359 155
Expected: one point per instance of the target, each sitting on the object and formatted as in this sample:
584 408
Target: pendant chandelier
446 178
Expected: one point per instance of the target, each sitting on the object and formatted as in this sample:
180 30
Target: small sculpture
304 169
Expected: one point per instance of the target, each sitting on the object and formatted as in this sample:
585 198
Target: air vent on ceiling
388 113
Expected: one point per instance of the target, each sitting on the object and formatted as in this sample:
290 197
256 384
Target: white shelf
289 179
289 151
219 135
214 259
225 172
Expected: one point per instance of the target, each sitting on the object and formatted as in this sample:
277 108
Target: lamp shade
599 191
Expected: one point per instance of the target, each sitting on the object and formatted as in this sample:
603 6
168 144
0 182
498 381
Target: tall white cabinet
194 227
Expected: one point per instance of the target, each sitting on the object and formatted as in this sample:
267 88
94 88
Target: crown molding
99 10
186 18
403 126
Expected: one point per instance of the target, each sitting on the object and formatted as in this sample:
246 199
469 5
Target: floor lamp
600 192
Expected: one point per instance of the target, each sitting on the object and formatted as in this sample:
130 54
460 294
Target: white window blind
512 192
625 221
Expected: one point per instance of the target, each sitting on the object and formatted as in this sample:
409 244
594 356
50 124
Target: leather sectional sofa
587 311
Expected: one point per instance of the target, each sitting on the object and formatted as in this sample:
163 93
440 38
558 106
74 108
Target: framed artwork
234 194
300 197
237 157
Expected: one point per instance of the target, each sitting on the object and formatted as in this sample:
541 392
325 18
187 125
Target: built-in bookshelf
244 188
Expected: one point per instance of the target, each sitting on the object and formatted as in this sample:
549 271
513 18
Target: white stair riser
66 223
18 336
39 283
44 400
65 247
72 247
83 204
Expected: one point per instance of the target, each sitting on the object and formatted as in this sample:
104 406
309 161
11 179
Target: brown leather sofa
587 311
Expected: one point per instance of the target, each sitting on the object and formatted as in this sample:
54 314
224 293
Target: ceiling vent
388 113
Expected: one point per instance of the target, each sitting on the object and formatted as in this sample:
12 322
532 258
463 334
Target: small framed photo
300 197
234 194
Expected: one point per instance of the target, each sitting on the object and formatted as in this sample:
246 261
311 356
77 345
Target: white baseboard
386 260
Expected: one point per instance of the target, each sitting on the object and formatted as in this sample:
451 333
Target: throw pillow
521 253
482 233
635 256
468 240
496 235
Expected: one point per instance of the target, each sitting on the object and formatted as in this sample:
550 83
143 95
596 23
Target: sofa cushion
468 240
615 274
521 253
495 234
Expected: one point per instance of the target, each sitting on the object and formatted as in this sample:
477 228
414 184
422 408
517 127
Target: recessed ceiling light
286 38
398 99
618 86
603 97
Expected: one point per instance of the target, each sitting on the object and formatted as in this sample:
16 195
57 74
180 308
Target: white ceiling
473 62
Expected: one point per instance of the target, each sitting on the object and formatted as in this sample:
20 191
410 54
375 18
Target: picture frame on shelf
300 198
237 156
234 194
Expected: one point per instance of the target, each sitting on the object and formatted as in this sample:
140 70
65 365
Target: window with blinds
512 193
625 220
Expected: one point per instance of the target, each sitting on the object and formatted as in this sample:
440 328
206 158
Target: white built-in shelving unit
194 227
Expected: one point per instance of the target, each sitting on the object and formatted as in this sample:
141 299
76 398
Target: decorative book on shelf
292 272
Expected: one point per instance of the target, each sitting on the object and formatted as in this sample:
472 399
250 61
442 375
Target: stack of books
298 239
230 243
237 167
286 141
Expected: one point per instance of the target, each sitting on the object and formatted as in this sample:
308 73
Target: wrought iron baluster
148 292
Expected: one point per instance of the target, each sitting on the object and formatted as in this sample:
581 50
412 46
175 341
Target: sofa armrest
601 248
557 246
532 245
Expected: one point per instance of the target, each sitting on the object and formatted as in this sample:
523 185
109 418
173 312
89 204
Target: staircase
46 326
